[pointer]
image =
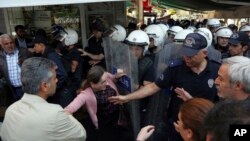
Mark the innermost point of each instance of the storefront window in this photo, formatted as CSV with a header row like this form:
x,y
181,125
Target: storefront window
x,y
43,17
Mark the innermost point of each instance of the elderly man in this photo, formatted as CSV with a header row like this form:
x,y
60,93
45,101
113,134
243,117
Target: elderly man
x,y
196,75
11,59
32,117
233,81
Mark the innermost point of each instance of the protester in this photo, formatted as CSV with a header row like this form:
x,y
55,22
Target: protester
x,y
21,39
101,123
32,117
11,59
190,122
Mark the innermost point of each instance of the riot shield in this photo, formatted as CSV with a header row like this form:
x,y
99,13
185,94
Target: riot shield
x,y
158,104
109,51
119,57
169,52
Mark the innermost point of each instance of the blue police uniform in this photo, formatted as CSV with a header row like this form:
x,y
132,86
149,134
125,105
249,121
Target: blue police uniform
x,y
198,85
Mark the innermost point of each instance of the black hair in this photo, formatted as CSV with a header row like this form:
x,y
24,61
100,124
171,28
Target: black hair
x,y
41,32
233,27
19,27
223,115
98,25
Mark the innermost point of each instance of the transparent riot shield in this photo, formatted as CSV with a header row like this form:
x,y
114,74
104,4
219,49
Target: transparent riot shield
x,y
119,58
158,104
162,59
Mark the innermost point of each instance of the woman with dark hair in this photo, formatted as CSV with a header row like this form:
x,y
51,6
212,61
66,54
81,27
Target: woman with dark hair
x,y
103,115
190,122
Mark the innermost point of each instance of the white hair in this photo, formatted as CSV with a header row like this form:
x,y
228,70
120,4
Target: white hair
x,y
3,36
239,70
236,60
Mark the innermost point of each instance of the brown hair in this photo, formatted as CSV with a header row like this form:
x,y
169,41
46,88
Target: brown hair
x,y
94,75
193,113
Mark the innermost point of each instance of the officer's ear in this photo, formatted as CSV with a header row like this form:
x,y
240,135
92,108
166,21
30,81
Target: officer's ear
x,y
204,51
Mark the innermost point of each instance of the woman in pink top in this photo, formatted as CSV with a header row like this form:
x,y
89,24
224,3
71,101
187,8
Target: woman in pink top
x,y
103,115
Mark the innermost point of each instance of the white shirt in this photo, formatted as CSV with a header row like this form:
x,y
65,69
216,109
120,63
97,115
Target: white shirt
x,y
34,119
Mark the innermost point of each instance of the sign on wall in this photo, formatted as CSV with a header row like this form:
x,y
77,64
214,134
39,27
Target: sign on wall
x,y
42,19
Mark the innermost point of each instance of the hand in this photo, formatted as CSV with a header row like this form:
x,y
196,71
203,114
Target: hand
x,y
182,94
120,99
119,73
80,50
145,133
93,62
67,112
83,53
31,50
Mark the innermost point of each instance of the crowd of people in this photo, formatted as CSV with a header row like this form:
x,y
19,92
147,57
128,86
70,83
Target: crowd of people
x,y
188,81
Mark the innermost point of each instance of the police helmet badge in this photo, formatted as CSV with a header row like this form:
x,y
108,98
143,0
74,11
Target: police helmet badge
x,y
189,41
162,77
235,35
210,82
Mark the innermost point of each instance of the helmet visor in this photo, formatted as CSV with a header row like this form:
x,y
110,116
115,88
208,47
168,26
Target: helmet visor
x,y
154,36
60,36
110,32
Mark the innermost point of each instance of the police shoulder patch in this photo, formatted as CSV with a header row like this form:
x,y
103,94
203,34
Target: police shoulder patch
x,y
175,62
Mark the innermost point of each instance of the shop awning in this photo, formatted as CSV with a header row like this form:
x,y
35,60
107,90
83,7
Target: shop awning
x,y
235,2
198,5
26,3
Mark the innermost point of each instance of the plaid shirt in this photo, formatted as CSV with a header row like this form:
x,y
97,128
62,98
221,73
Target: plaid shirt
x,y
14,69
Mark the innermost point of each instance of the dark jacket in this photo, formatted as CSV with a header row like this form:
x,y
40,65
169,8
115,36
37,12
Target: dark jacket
x,y
22,55
61,73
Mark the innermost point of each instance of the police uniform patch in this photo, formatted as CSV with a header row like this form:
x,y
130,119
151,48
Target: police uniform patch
x,y
161,77
210,83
